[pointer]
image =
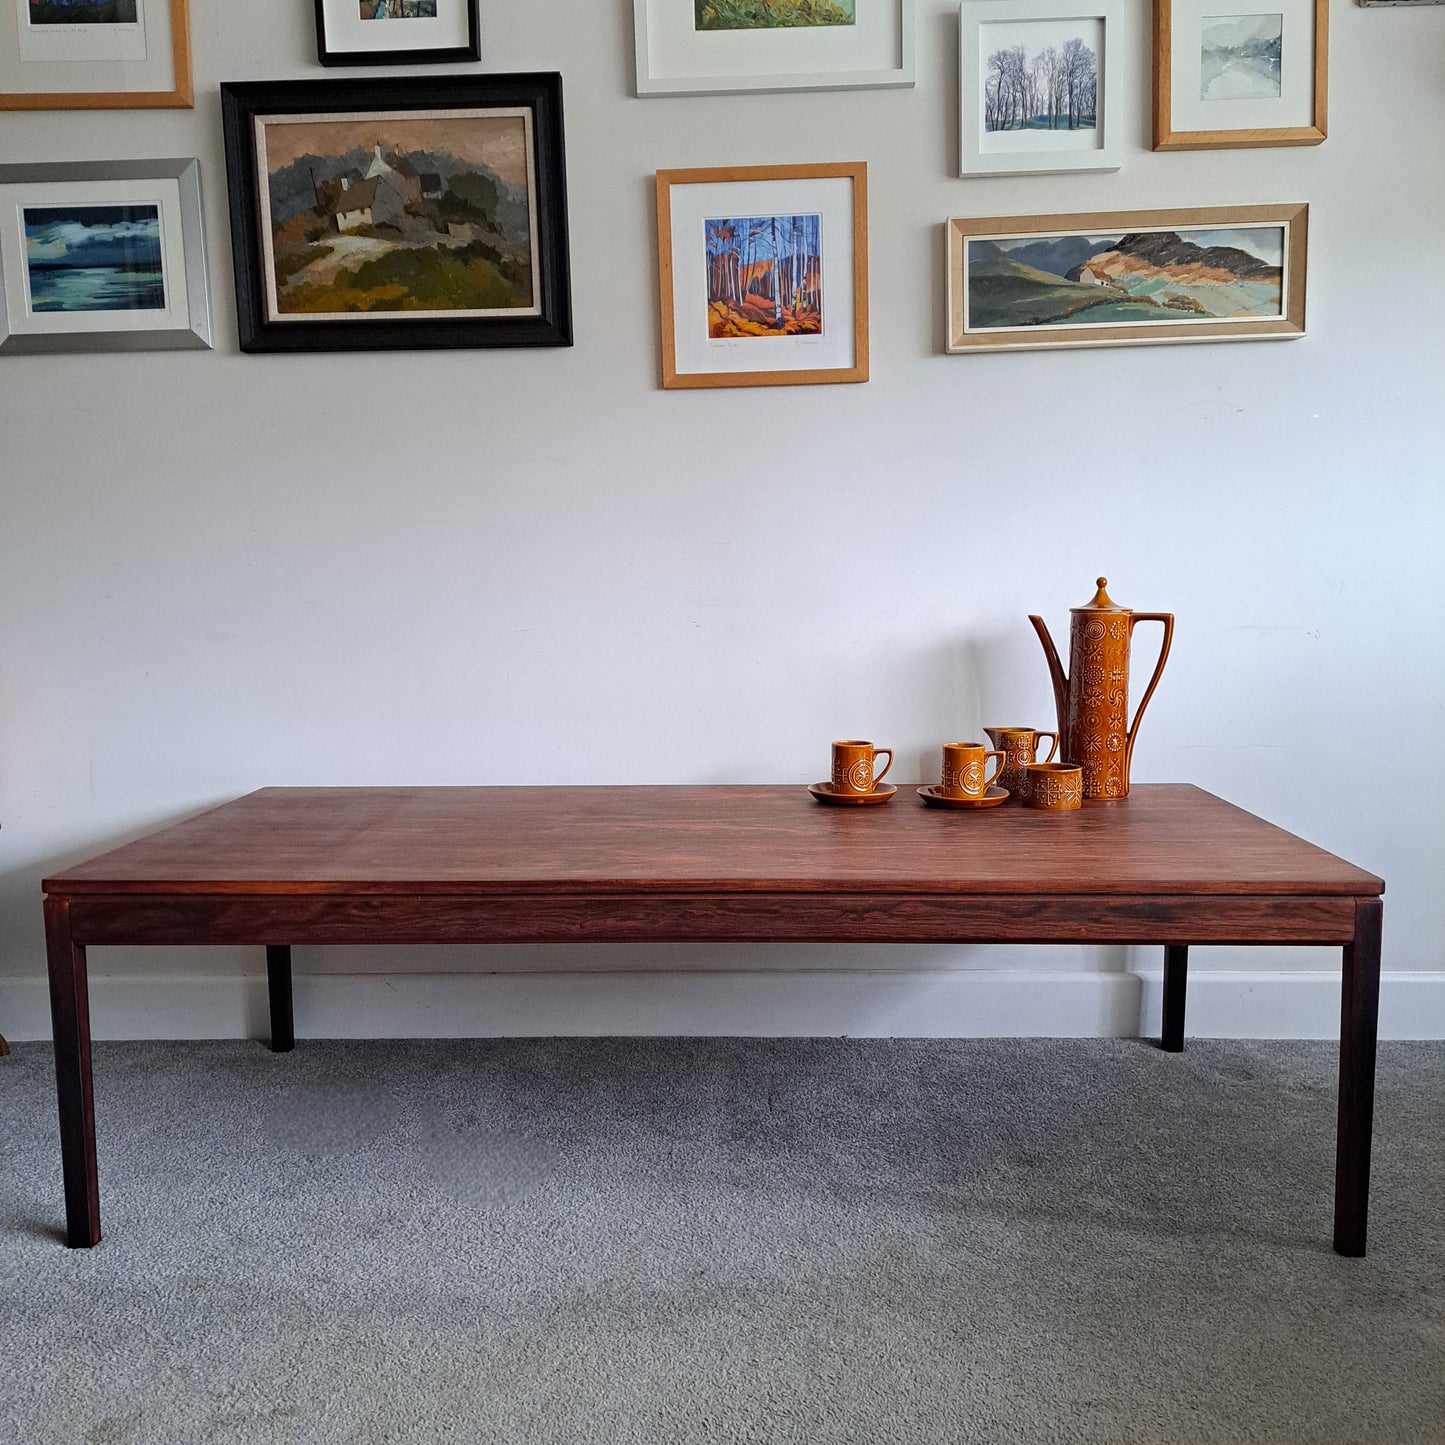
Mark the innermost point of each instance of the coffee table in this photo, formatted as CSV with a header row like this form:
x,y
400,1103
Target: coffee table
x,y
1170,864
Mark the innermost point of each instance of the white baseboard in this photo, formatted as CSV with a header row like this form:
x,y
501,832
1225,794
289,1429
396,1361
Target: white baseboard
x,y
969,1003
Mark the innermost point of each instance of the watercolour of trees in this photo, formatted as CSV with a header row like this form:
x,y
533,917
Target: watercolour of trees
x,y
1055,89
764,276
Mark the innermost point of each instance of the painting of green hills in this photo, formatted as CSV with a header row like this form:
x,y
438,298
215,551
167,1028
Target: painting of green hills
x,y
1143,276
770,14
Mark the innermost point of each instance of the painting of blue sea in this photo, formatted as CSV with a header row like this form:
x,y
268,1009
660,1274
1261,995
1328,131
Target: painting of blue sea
x,y
94,258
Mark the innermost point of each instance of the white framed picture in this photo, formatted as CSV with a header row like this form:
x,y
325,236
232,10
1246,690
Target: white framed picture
x,y
1037,86
715,47
396,32
102,256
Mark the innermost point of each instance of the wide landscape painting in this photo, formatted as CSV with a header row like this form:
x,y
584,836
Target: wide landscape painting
x,y
94,258
770,14
399,215
764,276
1071,279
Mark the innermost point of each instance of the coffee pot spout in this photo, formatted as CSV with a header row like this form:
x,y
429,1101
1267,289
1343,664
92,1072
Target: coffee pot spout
x,y
1056,674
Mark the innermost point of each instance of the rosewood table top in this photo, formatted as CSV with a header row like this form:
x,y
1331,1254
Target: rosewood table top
x,y
1163,839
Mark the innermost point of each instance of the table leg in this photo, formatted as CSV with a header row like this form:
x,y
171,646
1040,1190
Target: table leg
x,y
1176,975
1359,1028
278,984
70,1025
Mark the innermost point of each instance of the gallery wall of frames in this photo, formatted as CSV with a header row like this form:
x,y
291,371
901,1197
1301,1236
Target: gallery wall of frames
x,y
428,210
642,391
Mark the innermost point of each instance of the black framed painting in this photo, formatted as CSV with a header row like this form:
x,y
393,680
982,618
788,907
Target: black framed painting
x,y
396,32
381,214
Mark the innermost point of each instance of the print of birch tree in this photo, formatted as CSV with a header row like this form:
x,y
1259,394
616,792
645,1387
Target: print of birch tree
x,y
764,276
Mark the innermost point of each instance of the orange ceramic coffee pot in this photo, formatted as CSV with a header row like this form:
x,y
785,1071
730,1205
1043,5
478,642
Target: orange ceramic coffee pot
x,y
1093,700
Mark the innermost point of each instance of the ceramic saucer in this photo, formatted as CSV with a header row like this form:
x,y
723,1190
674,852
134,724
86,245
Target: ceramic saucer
x,y
826,793
990,799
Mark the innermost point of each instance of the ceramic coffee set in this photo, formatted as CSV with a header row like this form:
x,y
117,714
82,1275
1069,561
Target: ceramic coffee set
x,y
1095,735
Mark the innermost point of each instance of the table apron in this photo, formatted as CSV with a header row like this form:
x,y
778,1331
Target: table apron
x,y
649,916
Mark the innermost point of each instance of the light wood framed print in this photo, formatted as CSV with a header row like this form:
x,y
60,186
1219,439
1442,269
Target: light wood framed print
x,y
1038,88
1230,76
94,54
716,47
1122,278
763,275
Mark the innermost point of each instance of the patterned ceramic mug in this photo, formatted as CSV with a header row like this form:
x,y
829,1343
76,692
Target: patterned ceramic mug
x,y
1053,786
964,766
1022,747
854,763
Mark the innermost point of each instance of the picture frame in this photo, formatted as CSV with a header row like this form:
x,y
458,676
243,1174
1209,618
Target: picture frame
x,y
1240,79
386,213
722,47
124,54
1038,92
103,256
396,32
1122,278
763,274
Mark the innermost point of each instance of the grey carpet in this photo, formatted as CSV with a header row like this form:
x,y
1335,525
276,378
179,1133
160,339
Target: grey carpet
x,y
987,1241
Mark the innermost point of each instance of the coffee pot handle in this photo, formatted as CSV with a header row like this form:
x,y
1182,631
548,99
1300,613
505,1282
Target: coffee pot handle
x,y
1167,619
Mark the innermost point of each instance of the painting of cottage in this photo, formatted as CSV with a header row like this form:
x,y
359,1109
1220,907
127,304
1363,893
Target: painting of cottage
x,y
392,215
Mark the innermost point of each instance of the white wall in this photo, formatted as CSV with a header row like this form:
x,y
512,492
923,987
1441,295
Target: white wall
x,y
221,571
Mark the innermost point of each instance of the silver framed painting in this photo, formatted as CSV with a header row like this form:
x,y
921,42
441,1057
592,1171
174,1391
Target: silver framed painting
x,y
1037,87
103,256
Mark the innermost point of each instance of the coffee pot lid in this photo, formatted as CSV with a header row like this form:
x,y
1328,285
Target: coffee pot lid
x,y
1101,602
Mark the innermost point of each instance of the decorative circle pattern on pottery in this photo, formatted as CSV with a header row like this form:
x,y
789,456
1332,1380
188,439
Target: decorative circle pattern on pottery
x,y
1095,630
971,778
860,775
